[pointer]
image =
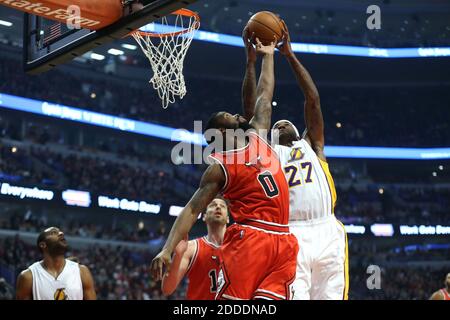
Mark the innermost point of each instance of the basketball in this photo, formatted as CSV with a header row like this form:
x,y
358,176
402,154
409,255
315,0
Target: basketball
x,y
266,25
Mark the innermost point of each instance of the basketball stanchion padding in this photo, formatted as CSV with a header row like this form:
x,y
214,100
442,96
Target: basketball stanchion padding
x,y
166,51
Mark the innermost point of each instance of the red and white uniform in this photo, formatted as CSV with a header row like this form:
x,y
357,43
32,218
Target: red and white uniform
x,y
202,271
445,294
258,255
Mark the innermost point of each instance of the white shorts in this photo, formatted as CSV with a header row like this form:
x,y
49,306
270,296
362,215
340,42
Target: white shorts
x,y
322,261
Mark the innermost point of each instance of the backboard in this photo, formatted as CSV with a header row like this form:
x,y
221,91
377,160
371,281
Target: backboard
x,y
49,43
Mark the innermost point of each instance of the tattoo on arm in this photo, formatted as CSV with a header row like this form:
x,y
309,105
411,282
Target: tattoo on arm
x,y
249,91
266,85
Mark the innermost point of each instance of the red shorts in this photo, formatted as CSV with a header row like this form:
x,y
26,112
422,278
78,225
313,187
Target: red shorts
x,y
257,264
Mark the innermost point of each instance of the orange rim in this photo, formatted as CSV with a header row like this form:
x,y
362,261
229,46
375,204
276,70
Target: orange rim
x,y
181,12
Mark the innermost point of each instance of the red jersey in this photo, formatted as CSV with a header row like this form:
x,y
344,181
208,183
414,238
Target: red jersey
x,y
445,293
255,183
202,271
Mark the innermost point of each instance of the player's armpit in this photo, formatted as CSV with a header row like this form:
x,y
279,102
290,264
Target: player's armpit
x,y
88,283
24,286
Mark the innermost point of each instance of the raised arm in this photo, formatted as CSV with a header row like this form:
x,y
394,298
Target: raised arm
x,y
181,259
313,112
211,183
266,85
249,83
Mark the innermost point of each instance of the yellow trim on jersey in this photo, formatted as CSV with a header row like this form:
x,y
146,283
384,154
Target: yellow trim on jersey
x,y
346,272
330,182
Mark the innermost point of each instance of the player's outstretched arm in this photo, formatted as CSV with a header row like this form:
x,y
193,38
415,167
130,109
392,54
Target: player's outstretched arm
x,y
313,112
249,83
24,286
266,85
88,283
211,183
181,259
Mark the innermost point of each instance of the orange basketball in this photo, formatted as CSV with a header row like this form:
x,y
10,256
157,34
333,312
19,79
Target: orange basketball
x,y
266,25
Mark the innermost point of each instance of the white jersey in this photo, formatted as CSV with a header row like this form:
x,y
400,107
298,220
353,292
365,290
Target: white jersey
x,y
67,286
312,194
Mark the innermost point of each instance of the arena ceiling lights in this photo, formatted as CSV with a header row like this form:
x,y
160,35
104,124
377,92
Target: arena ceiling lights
x,y
167,133
5,23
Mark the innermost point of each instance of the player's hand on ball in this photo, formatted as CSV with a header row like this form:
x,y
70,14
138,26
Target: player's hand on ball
x,y
284,46
249,39
269,49
163,259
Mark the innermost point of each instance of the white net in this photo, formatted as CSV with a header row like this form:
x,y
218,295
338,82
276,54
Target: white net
x,y
166,53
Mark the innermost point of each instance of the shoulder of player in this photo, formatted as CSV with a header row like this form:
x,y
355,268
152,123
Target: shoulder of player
x,y
318,149
192,247
215,176
85,273
438,295
213,171
192,253
25,275
191,250
280,147
24,285
83,268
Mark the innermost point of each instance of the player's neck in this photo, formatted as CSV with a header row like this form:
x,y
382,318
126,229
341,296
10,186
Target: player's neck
x,y
287,142
215,234
54,265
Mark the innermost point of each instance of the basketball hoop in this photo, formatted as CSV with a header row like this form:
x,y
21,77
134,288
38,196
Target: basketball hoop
x,y
166,51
